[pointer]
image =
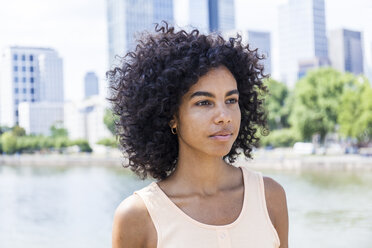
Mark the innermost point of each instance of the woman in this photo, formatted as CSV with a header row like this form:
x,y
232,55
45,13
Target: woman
x,y
189,104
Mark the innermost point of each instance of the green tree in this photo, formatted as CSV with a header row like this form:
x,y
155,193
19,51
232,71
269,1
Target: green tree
x,y
45,142
82,144
58,131
109,119
18,131
355,111
4,129
280,138
317,97
61,142
110,142
8,143
365,120
277,104
28,143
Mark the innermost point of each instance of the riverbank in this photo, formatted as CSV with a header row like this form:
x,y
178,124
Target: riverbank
x,y
286,159
273,160
340,162
109,160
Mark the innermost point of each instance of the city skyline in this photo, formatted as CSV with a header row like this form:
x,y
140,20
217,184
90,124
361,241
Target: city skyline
x,y
28,75
78,30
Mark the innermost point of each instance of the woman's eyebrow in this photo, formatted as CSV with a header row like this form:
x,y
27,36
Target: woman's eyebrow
x,y
201,93
232,92
208,94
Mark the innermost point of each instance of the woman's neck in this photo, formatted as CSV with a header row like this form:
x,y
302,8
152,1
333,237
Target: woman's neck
x,y
200,173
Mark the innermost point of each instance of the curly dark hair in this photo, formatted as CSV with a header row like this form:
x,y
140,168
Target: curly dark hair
x,y
146,92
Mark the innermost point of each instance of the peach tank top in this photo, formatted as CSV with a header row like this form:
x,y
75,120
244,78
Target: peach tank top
x,y
175,229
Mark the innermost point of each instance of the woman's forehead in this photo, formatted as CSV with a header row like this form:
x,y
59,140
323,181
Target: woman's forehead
x,y
216,79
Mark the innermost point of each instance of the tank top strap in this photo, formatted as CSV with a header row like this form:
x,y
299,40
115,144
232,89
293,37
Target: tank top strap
x,y
256,202
154,206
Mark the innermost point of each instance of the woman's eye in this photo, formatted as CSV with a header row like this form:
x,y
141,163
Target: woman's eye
x,y
232,101
203,103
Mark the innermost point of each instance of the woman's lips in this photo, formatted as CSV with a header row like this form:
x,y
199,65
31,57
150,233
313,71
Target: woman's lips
x,y
221,137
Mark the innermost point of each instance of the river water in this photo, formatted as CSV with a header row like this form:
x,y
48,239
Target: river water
x,y
73,206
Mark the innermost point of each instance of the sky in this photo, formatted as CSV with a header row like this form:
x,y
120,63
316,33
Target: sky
x,y
77,30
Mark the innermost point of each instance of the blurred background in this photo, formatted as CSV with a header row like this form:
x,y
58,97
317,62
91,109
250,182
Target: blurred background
x,y
60,168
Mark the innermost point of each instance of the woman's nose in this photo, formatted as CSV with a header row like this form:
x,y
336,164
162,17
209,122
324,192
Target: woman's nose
x,y
222,115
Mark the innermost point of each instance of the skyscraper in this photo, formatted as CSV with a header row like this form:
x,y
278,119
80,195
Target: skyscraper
x,y
38,117
84,119
345,50
90,84
221,15
205,15
127,18
192,13
256,39
262,41
29,74
302,38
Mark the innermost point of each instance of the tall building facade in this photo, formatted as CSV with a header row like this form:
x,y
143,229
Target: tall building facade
x,y
90,84
38,117
256,39
128,18
84,119
345,50
192,14
205,15
221,15
302,38
261,41
30,75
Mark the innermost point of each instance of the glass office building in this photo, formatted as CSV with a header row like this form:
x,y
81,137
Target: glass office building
x,y
91,87
262,41
128,18
345,50
29,74
302,38
221,15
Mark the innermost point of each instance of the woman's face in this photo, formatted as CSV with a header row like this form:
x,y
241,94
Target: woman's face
x,y
208,119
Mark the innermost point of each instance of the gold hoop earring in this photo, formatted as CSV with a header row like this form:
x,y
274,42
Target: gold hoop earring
x,y
174,130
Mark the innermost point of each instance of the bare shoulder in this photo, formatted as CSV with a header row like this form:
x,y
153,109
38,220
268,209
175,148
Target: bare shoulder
x,y
132,224
276,203
274,189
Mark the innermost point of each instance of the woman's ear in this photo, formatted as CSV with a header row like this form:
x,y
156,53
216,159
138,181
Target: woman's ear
x,y
173,123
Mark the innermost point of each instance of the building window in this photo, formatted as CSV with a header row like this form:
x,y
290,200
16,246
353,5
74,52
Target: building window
x,y
32,90
16,79
15,68
31,69
23,57
15,57
31,58
16,102
24,79
32,99
16,90
24,91
16,112
31,79
23,68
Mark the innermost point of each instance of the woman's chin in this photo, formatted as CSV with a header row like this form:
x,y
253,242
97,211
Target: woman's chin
x,y
220,152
